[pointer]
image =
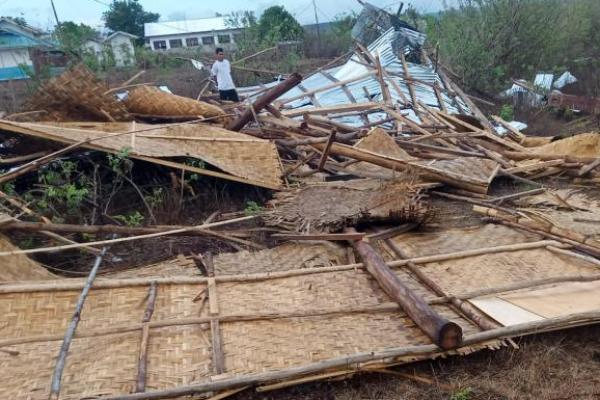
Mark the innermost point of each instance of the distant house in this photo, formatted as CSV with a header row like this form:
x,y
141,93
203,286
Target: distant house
x,y
205,34
18,44
120,43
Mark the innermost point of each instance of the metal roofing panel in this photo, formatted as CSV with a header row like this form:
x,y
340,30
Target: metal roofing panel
x,y
544,81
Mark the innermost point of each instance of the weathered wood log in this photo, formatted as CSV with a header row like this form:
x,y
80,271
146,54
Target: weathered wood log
x,y
446,334
64,348
267,98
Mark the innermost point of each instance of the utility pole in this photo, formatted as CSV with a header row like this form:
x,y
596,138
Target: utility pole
x,y
55,14
317,22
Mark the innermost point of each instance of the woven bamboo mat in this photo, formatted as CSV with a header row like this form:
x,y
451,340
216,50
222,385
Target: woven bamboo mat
x,y
19,267
266,325
77,95
236,153
281,258
151,100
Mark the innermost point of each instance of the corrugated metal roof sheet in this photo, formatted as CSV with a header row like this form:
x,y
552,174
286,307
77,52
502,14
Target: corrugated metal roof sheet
x,y
544,81
565,79
423,78
187,26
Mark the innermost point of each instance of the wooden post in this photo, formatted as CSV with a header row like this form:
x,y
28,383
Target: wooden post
x,y
267,98
446,334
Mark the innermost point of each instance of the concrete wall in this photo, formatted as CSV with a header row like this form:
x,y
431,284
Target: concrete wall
x,y
199,35
10,60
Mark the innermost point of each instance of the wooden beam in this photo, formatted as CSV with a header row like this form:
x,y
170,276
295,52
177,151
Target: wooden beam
x,y
444,333
325,154
322,236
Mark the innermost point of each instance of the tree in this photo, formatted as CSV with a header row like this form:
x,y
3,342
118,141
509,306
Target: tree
x,y
128,16
72,36
276,24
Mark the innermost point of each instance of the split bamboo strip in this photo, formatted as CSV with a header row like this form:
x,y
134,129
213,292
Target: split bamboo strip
x,y
143,354
70,333
77,284
360,358
128,239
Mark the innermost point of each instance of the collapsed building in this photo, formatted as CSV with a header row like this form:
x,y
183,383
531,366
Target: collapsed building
x,y
392,242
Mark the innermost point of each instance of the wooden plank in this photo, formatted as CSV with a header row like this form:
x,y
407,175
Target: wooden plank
x,y
143,352
217,347
212,296
504,312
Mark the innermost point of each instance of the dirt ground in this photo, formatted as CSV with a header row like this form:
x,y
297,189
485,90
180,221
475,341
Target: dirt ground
x,y
552,366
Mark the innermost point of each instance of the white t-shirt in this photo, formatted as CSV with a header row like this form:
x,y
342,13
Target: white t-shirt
x,y
222,70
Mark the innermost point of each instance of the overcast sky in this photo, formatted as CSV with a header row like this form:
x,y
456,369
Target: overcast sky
x,y
39,12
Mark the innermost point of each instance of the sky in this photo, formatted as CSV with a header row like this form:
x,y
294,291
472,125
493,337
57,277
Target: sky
x,y
39,12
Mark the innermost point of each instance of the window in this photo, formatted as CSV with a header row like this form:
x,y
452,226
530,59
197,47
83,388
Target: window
x,y
224,38
191,42
208,40
160,45
175,43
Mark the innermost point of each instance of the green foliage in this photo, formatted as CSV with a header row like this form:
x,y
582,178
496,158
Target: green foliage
x,y
276,24
120,162
8,188
488,42
72,36
134,218
128,16
156,199
252,208
192,177
507,112
64,188
463,394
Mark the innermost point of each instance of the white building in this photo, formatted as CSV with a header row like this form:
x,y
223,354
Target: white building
x,y
121,45
205,34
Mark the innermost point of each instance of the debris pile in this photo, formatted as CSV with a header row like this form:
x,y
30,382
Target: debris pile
x,y
402,226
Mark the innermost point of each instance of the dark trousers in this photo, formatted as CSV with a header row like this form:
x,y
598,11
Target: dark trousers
x,y
230,95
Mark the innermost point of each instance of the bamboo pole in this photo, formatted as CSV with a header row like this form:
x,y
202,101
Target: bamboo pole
x,y
444,333
70,333
77,284
325,154
126,239
360,358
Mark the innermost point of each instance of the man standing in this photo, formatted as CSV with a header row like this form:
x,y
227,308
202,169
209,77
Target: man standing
x,y
221,70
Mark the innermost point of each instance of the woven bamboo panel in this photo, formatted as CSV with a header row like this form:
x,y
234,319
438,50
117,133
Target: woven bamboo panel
x,y
236,153
478,171
151,100
19,267
583,145
248,347
179,266
285,257
77,95
378,141
178,355
493,270
418,244
331,207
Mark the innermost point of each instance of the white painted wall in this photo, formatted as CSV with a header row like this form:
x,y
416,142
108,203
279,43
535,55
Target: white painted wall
x,y
199,35
123,50
14,57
